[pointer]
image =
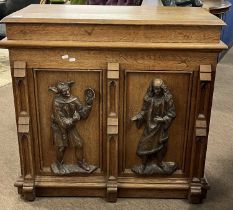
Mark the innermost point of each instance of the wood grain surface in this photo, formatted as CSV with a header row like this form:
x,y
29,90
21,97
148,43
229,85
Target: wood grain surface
x,y
116,51
132,15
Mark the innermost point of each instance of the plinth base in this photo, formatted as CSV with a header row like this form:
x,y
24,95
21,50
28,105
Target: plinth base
x,y
71,169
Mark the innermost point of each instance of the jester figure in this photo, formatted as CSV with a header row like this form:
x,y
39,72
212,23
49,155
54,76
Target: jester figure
x,y
67,110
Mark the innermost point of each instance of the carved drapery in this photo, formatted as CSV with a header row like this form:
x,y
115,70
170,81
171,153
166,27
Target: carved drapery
x,y
156,115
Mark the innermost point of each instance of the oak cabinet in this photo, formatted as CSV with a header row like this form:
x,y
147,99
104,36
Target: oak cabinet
x,y
114,102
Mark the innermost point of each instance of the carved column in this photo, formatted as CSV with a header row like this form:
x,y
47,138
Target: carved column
x,y
206,86
26,185
112,130
205,94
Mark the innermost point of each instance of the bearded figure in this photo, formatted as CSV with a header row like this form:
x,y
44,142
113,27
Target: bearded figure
x,y
156,115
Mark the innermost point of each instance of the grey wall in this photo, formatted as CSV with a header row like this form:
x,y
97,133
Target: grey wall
x,y
12,6
227,31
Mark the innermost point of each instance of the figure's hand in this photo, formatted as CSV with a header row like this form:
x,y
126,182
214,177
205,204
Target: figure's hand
x,y
69,122
159,119
89,101
64,137
76,116
90,95
136,117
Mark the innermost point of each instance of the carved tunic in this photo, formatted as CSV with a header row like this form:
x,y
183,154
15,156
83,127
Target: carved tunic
x,y
65,113
155,134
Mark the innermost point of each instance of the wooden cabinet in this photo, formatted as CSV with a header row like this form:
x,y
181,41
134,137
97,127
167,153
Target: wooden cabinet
x,y
113,101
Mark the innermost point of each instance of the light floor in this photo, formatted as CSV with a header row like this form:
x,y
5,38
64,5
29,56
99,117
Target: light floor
x,y
5,77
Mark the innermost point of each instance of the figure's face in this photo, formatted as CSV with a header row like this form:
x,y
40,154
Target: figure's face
x,y
65,92
157,90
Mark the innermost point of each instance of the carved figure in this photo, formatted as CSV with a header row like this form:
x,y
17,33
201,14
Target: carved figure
x,y
157,113
67,110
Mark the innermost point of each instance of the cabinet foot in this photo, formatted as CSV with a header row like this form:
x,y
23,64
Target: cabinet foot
x,y
111,190
29,196
26,189
205,187
198,190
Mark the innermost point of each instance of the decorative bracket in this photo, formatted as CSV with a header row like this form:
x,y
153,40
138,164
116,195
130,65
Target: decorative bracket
x,y
205,72
113,70
19,69
201,126
112,126
23,124
20,88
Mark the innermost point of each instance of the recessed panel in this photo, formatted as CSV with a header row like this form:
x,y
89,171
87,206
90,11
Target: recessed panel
x,y
135,87
89,129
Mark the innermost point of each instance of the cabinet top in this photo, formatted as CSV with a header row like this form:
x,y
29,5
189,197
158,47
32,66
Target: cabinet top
x,y
124,15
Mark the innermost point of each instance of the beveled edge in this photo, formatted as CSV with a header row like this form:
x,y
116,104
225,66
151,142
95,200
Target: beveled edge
x,y
117,45
17,17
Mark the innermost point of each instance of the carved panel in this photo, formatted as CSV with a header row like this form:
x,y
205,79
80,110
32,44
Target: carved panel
x,y
180,85
67,111
201,126
156,115
89,129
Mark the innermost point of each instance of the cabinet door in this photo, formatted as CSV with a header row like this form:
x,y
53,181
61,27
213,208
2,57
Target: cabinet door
x,y
88,130
176,132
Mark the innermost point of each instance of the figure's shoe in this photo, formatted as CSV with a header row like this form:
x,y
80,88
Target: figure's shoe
x,y
139,169
168,167
162,165
84,165
61,168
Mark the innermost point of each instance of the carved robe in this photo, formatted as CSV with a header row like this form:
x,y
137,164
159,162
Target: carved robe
x,y
63,121
155,135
